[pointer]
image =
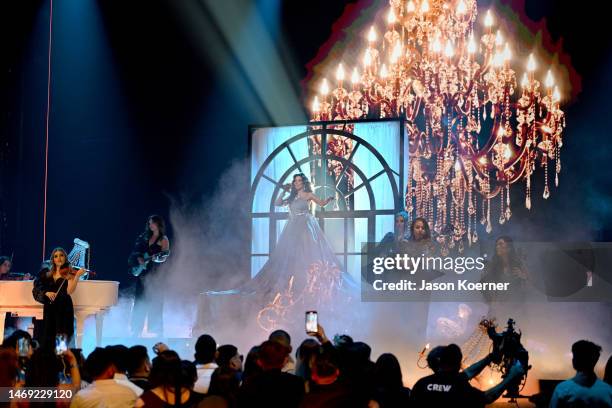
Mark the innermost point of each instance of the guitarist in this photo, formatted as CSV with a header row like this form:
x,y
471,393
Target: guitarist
x,y
151,242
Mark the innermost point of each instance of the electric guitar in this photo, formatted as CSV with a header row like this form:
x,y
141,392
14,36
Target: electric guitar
x,y
157,258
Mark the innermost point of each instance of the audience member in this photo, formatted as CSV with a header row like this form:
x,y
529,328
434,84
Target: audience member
x,y
171,382
326,390
46,369
205,350
251,367
283,338
104,391
608,372
389,390
272,387
225,383
139,366
584,389
120,356
228,357
303,355
9,366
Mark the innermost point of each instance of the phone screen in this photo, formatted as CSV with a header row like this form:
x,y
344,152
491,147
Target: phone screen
x,y
23,347
60,344
311,321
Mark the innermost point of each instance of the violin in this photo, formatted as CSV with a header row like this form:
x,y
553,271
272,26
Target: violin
x,y
71,271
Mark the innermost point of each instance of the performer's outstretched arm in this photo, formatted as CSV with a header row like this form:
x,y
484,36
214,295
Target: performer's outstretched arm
x,y
322,203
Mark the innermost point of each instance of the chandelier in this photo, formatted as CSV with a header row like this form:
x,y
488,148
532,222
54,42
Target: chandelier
x,y
472,132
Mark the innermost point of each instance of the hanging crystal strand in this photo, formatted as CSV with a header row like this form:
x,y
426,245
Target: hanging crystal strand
x,y
489,228
453,209
419,197
430,202
483,220
471,205
475,228
469,231
557,165
508,212
502,213
528,187
439,198
477,110
462,210
546,193
426,202
408,204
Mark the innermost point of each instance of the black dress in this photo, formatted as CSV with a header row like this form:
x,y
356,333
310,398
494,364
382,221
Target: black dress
x,y
58,316
153,309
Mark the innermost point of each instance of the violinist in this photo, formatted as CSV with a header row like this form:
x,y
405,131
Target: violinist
x,y
56,281
5,270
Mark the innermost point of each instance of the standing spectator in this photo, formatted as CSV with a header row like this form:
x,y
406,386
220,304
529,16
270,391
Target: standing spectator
x,y
389,390
205,350
271,388
45,368
225,383
326,390
584,389
139,366
172,383
9,365
228,357
608,372
104,391
251,367
303,355
120,356
283,338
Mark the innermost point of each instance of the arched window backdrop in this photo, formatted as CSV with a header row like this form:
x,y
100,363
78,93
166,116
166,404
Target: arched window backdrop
x,y
362,165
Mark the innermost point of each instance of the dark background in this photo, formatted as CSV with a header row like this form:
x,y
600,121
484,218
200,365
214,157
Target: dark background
x,y
142,113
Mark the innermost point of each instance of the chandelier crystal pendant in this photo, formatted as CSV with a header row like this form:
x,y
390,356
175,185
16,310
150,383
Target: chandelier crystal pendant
x,y
472,131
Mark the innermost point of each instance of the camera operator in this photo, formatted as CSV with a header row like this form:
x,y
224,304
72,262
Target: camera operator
x,y
447,386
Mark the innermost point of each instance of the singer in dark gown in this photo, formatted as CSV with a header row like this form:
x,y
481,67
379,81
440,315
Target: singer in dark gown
x,y
52,287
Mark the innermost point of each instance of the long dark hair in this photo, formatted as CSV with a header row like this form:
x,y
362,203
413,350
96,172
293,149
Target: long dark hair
x,y
167,371
52,264
514,261
161,225
425,224
387,372
294,192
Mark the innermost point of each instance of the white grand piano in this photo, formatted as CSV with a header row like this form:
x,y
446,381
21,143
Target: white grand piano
x,y
91,297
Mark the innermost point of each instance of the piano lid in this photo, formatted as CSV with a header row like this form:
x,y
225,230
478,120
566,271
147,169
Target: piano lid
x,y
90,293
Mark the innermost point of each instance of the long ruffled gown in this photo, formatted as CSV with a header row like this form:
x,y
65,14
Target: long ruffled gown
x,y
303,267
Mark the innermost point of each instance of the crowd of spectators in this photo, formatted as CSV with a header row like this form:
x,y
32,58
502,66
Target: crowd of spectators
x,y
318,373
